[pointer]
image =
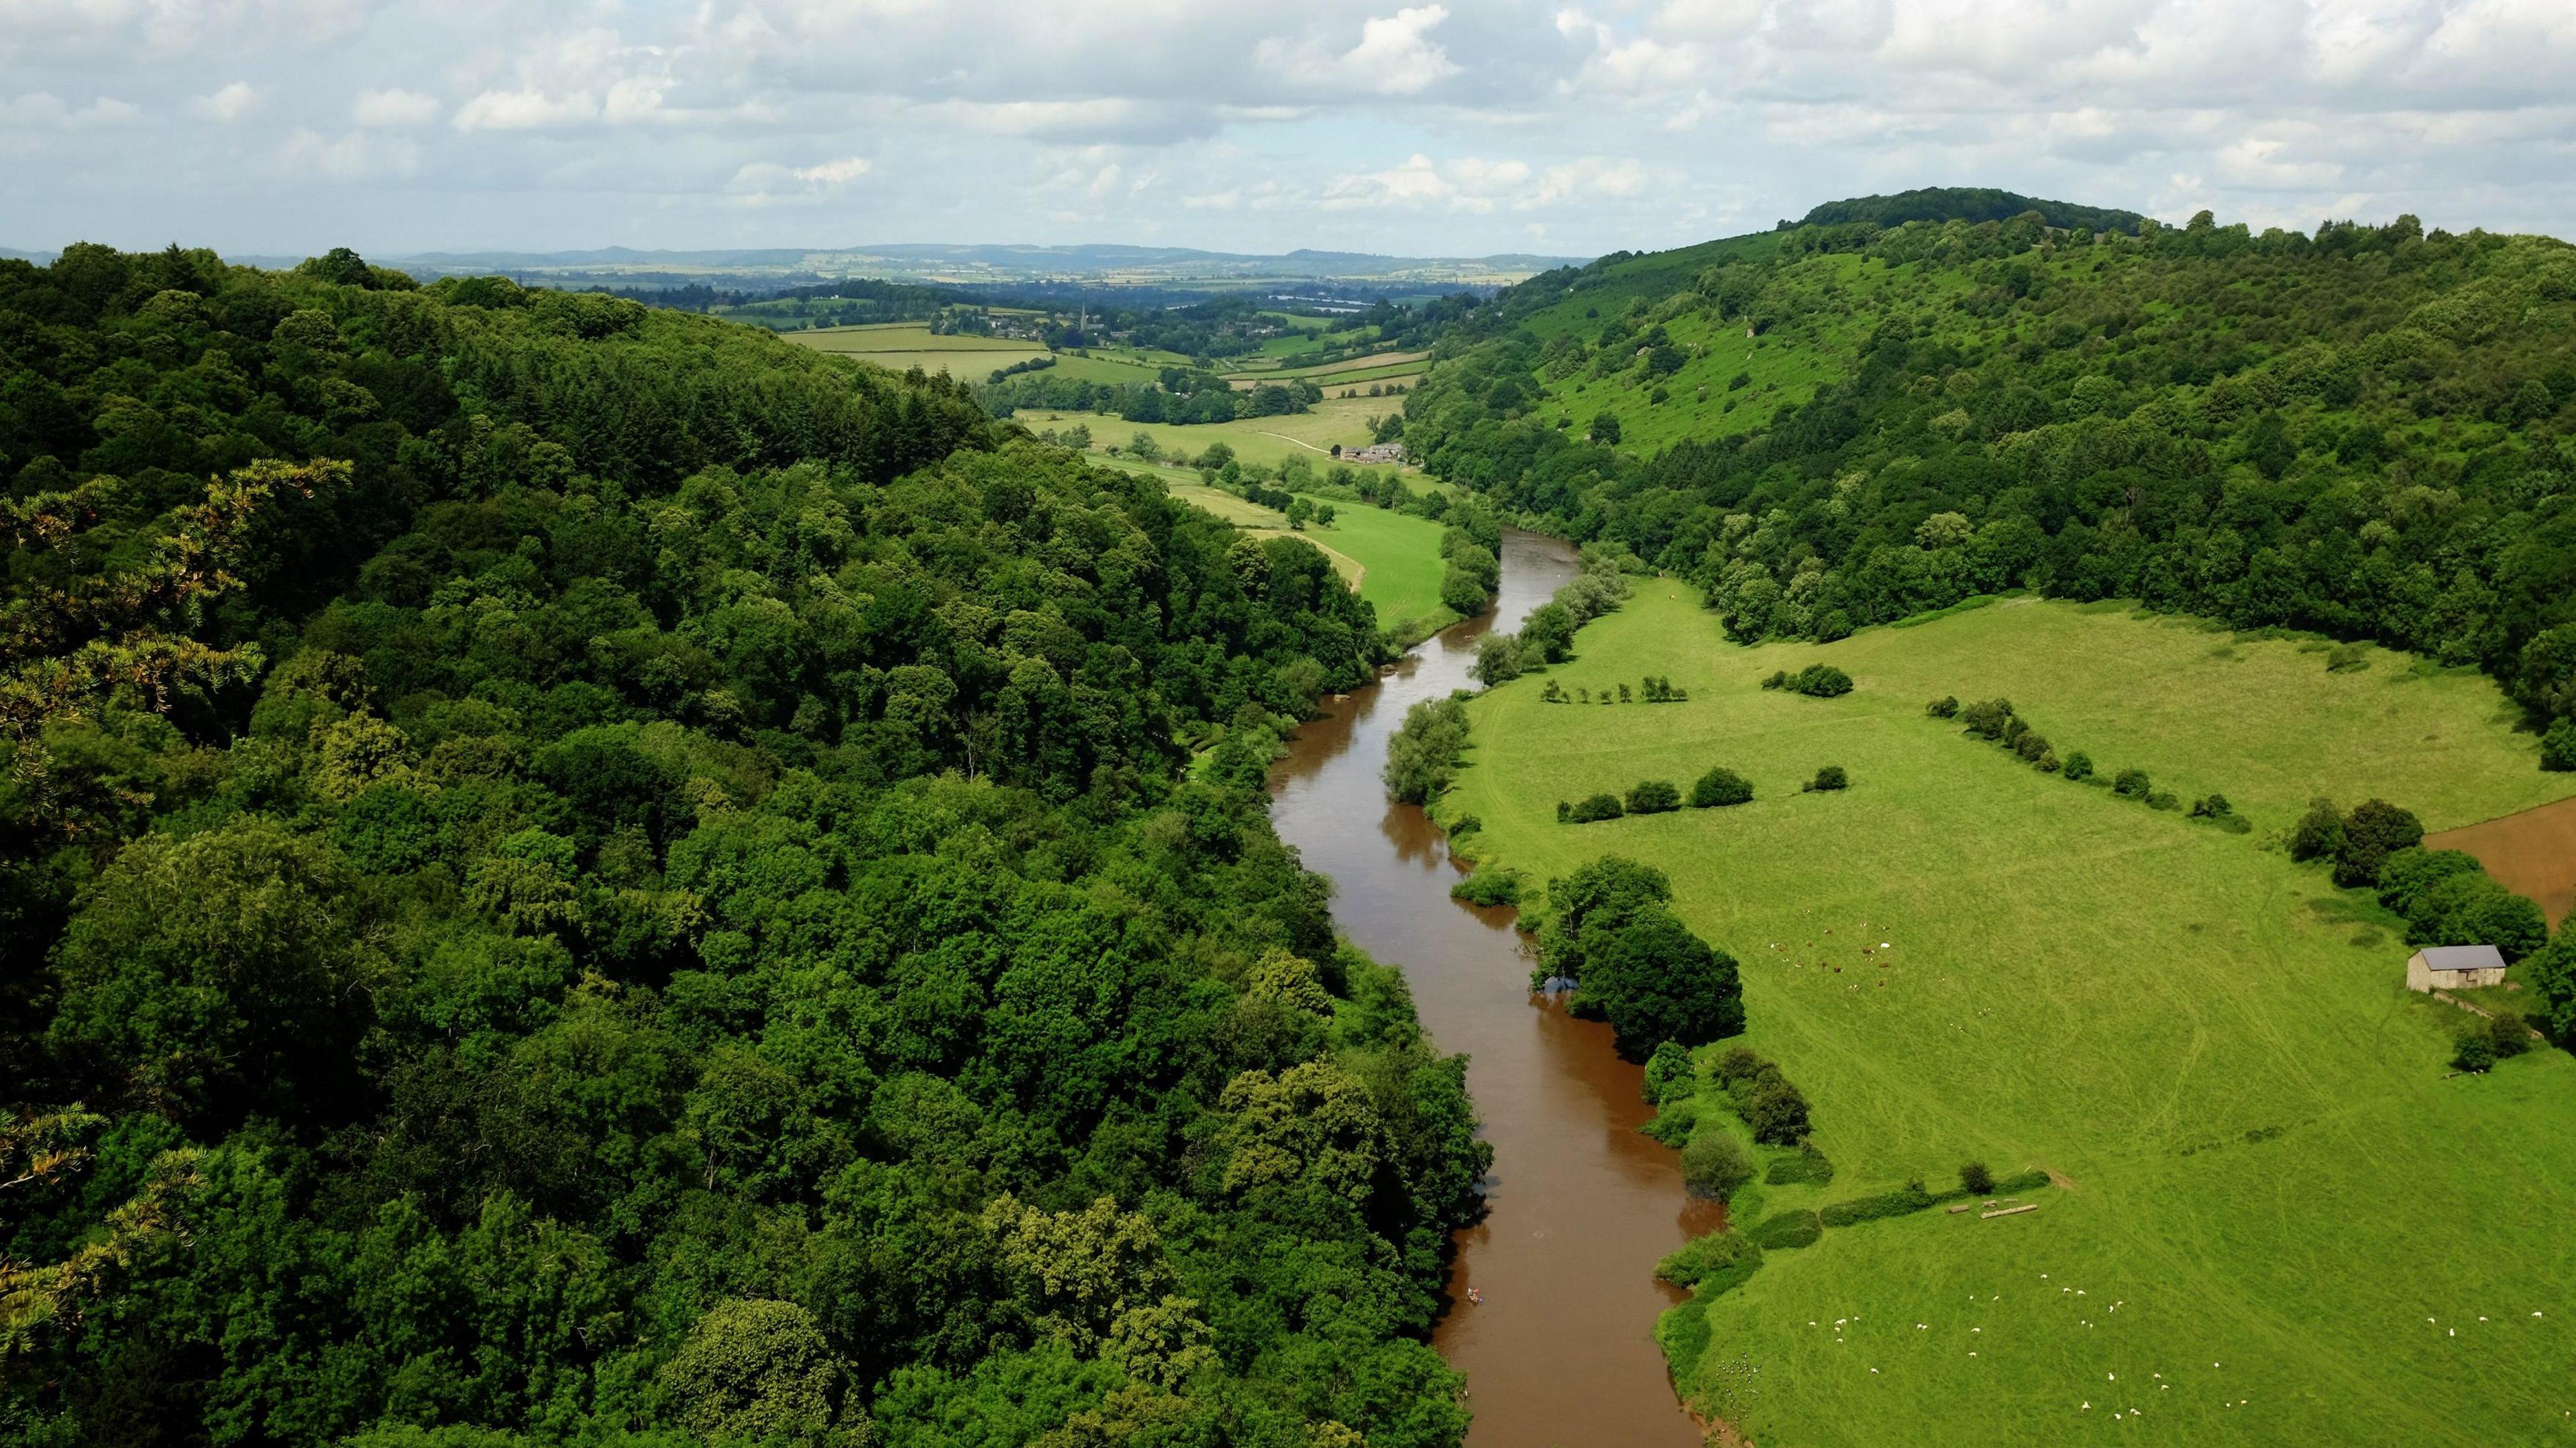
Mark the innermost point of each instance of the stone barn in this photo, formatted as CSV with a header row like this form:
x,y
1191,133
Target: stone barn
x,y
2454,967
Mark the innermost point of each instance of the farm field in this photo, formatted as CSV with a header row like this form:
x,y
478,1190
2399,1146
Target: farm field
x,y
1266,440
902,345
2277,1219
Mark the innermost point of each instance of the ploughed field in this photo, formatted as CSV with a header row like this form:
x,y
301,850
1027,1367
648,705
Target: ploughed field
x,y
2277,1218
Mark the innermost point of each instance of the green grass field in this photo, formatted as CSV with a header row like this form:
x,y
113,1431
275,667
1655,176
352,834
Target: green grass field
x,y
1267,440
2278,1221
901,345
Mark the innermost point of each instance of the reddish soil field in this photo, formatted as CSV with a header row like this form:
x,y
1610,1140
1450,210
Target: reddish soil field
x,y
2532,853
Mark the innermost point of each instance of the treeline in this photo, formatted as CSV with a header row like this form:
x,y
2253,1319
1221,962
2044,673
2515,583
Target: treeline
x,y
612,880
1180,397
2363,432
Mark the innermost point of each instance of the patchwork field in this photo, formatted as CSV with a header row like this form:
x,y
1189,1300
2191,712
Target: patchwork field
x,y
2278,1219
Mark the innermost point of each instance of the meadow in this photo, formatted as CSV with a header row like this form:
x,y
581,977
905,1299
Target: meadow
x,y
1267,440
2277,1217
898,346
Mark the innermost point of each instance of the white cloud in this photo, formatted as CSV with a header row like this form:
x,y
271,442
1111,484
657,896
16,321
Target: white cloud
x,y
394,109
230,104
1395,56
525,110
354,156
766,183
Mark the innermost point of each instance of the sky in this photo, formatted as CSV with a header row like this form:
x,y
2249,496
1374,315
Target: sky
x,y
1459,128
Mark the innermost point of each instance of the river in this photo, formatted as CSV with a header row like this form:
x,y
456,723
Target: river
x,y
1561,1351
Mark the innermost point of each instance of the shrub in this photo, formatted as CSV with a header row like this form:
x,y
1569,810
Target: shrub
x,y
2558,746
1713,1166
1738,1066
1674,1122
1830,776
1465,825
1784,1231
2471,909
2410,872
1712,1264
2509,1033
1720,786
1489,887
1945,707
1775,1110
2346,658
2476,1051
2132,784
1805,1165
2319,833
2023,1181
2031,745
1779,679
2211,807
2373,831
1597,807
2079,765
1564,811
1668,1073
1654,796
1908,1198
1987,718
1820,681
2163,799
1975,1180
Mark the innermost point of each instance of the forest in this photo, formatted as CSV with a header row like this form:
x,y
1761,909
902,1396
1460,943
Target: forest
x,y
580,874
2364,432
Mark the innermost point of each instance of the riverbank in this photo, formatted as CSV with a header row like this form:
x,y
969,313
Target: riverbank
x,y
1560,1351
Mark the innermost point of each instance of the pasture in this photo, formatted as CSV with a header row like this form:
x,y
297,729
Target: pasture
x,y
898,346
2278,1219
1266,440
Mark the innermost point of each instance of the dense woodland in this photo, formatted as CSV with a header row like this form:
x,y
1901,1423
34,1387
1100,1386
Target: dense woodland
x,y
582,874
2368,432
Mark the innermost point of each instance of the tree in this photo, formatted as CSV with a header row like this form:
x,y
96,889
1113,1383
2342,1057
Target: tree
x,y
1713,1166
755,1371
1654,796
1655,981
1775,1110
2558,747
1720,786
1829,777
1591,809
1975,1180
2318,835
1604,429
2371,833
1422,757
1498,660
1669,1074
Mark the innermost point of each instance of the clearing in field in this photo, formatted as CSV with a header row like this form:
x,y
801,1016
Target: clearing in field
x,y
2278,1218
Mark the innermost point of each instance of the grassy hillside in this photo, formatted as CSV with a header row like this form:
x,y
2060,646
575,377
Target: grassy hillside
x,y
2369,431
2275,1207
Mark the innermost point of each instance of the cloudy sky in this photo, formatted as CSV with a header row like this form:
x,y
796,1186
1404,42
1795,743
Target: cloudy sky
x,y
1462,127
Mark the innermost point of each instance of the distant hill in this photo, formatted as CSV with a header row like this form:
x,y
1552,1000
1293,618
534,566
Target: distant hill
x,y
1965,203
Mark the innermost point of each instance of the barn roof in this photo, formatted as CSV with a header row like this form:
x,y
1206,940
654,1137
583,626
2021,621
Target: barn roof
x,y
2462,957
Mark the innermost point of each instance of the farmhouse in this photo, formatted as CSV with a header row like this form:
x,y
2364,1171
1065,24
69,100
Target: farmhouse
x,y
1383,452
2454,967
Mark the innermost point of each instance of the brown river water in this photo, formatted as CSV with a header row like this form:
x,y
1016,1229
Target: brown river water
x,y
1561,1351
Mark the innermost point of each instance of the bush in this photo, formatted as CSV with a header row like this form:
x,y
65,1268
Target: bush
x,y
2164,799
2472,909
2319,833
2079,765
2132,784
1908,1198
1720,786
1820,681
2373,831
1738,1066
1945,707
1785,1231
2558,747
1975,1180
2211,807
1712,1264
1465,825
2031,745
2509,1033
1668,1073
1829,777
2476,1051
1805,1165
1674,1122
1597,807
1987,718
1775,1110
1654,796
1713,1166
1489,887
1423,756
1779,679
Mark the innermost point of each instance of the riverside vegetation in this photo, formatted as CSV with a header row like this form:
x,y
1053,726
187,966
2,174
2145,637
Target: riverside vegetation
x,y
614,880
